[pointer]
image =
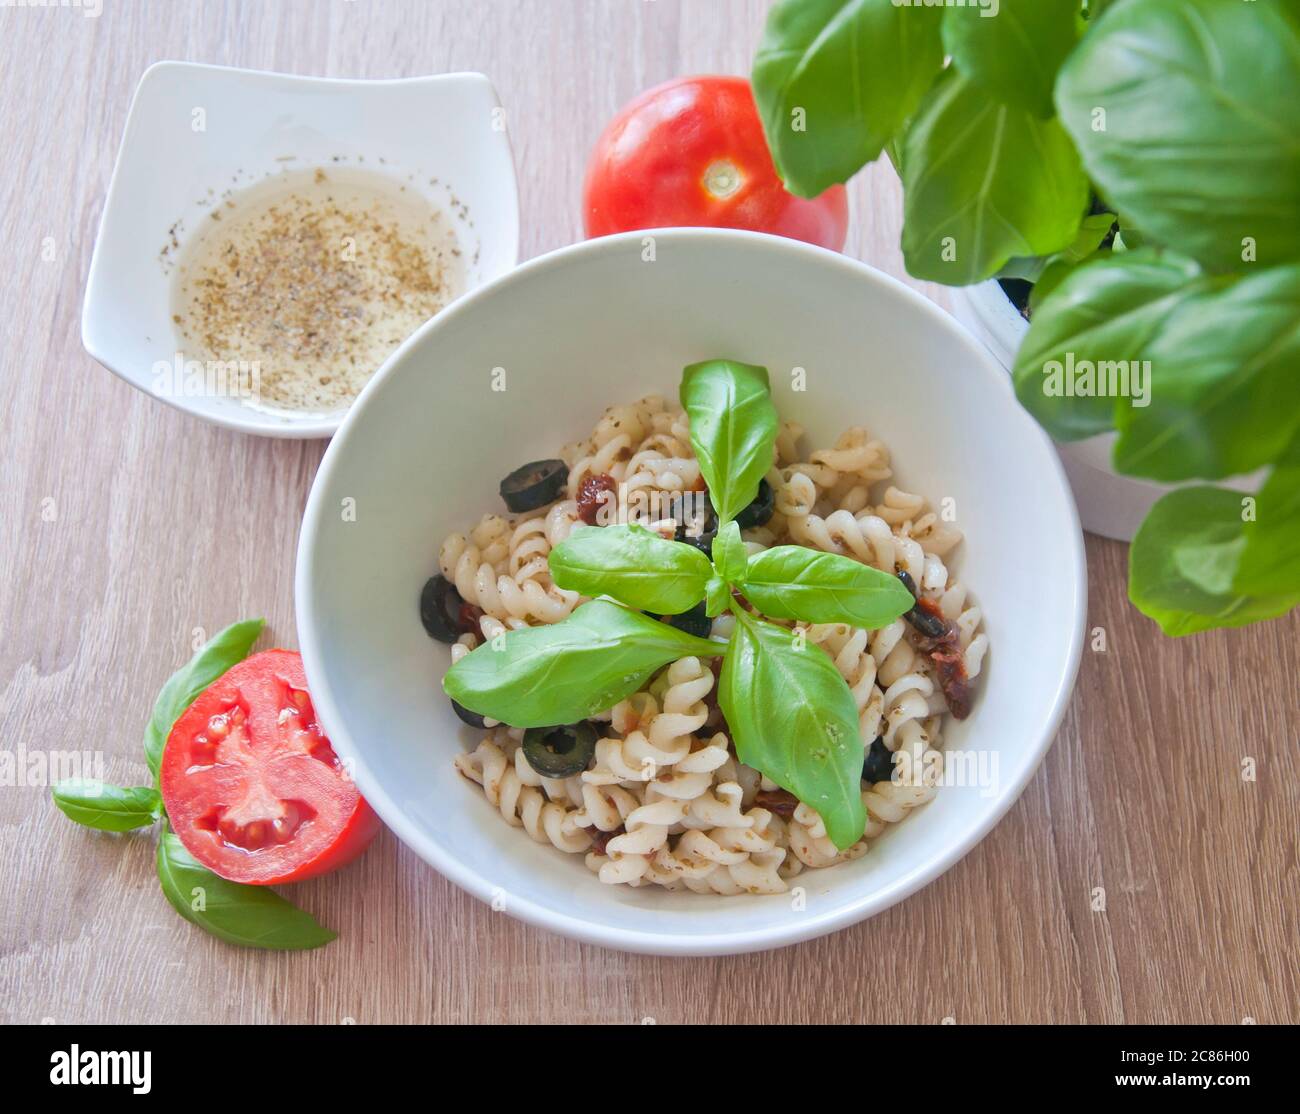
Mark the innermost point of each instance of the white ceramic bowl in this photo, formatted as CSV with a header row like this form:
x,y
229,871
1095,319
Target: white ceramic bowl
x,y
424,447
195,131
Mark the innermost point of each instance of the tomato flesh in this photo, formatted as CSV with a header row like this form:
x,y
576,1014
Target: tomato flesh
x,y
692,152
252,786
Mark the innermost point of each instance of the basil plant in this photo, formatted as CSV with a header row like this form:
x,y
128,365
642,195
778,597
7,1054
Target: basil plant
x,y
1138,161
790,713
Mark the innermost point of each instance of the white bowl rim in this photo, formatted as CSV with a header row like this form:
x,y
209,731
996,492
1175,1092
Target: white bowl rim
x,y
305,428
649,942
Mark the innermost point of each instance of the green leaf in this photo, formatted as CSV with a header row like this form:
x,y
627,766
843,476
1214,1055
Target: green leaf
x,y
984,183
791,582
1104,311
729,555
1185,559
835,81
250,916
183,687
1094,229
1014,52
633,565
110,808
717,597
733,430
1270,558
1200,142
567,671
1225,382
793,717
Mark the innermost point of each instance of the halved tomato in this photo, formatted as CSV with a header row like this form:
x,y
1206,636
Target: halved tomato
x,y
253,788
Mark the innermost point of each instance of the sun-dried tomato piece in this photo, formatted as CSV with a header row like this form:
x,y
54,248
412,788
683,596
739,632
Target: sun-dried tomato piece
x,y
780,801
468,616
594,493
600,840
945,652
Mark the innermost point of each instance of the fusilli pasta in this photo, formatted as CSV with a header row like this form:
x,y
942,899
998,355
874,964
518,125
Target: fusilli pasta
x,y
665,801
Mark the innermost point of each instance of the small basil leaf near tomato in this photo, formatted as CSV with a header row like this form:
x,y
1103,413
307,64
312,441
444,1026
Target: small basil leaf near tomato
x,y
108,808
793,717
791,582
253,789
733,429
633,565
249,916
692,153
217,655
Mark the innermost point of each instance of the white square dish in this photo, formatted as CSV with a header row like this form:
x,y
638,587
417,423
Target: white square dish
x,y
195,131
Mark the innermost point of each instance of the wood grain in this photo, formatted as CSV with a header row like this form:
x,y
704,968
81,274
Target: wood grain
x,y
162,525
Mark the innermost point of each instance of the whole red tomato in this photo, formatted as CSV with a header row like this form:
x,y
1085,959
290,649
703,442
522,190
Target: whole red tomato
x,y
692,152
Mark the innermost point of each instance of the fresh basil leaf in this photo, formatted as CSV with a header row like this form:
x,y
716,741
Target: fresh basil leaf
x,y
1200,138
717,597
1016,55
1184,561
729,555
1224,383
984,183
835,80
567,671
250,916
633,565
1107,310
791,582
223,650
1094,229
793,718
733,430
1270,558
109,808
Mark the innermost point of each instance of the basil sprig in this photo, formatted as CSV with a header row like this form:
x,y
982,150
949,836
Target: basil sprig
x,y
733,429
1182,115
251,916
109,808
213,658
631,564
791,713
564,672
794,718
792,582
729,556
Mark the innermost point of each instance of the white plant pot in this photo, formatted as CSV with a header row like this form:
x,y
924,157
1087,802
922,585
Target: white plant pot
x,y
1109,504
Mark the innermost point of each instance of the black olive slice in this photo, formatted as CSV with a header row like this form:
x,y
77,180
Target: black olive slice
x,y
534,485
472,718
759,511
702,528
696,621
560,751
440,606
879,762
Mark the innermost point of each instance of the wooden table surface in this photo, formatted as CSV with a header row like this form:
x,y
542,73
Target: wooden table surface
x,y
127,525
